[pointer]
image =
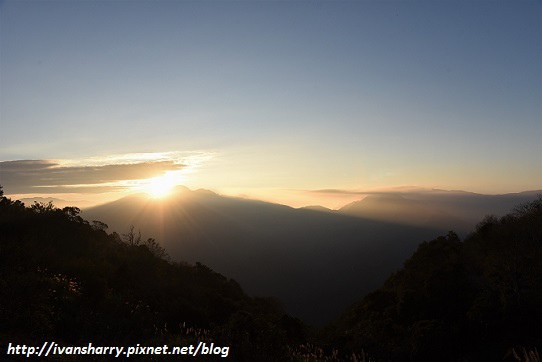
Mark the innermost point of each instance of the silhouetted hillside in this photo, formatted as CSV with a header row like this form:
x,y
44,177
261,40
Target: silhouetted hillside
x,y
66,280
468,300
315,262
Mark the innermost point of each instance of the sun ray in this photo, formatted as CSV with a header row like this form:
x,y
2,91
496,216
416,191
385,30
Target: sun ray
x,y
161,186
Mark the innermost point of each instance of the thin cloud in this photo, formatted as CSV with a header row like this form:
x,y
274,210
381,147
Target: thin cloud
x,y
46,176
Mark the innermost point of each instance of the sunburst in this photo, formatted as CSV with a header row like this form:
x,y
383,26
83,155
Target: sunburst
x,y
161,186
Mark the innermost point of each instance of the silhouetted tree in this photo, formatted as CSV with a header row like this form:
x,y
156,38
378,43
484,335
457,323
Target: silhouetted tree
x,y
130,238
99,225
42,208
155,248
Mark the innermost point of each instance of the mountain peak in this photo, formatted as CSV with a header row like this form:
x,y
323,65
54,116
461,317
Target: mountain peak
x,y
316,208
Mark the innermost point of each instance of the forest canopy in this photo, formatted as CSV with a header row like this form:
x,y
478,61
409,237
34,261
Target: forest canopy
x,y
477,299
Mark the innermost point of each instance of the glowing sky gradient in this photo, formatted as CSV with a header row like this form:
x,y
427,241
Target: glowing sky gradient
x,y
276,98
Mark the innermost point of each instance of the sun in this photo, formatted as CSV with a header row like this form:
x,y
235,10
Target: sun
x,y
161,186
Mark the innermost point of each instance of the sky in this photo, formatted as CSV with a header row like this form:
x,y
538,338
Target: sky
x,y
273,100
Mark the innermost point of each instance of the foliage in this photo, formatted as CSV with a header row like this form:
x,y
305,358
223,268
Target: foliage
x,y
472,300
66,280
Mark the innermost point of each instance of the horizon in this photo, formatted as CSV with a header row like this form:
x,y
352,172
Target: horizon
x,y
295,103
345,197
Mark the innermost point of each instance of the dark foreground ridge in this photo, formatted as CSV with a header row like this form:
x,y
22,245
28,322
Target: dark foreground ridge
x,y
476,300
67,280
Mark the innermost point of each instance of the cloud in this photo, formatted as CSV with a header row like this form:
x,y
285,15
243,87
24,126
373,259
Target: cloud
x,y
46,176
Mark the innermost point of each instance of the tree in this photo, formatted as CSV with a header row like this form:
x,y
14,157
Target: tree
x,y
99,226
42,208
155,248
130,238
72,213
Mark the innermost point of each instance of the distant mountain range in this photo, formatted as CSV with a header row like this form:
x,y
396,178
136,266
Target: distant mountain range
x,y
449,210
314,260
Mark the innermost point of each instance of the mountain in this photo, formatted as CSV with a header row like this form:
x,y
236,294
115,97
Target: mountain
x,y
316,208
398,208
70,282
449,210
315,262
473,299
476,299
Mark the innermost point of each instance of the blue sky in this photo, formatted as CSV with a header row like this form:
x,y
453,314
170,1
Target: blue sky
x,y
271,99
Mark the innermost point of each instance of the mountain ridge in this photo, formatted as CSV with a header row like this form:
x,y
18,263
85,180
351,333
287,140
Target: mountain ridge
x,y
273,249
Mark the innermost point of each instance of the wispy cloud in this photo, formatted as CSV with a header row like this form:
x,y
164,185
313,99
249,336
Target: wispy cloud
x,y
92,175
44,176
